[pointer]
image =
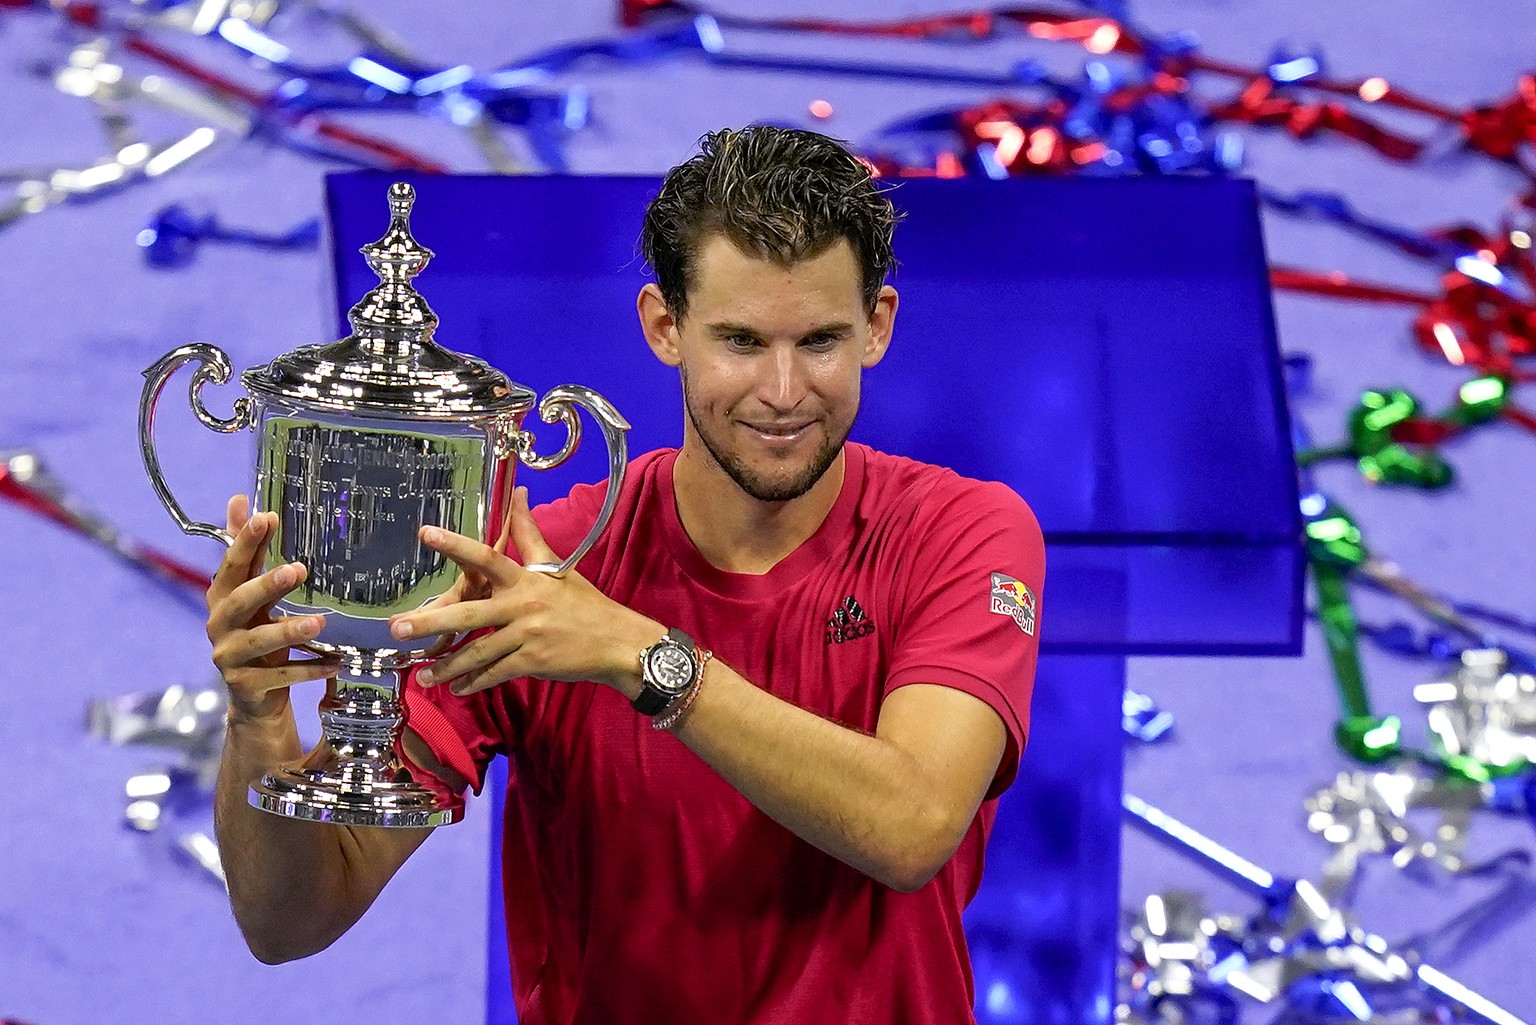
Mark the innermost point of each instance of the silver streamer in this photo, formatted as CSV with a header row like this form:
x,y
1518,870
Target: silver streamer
x,y
205,16
1302,961
1373,813
1482,719
89,75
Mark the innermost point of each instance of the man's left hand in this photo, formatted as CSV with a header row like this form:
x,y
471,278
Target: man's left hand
x,y
552,628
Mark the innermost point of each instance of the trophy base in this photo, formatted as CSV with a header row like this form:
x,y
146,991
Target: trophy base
x,y
354,792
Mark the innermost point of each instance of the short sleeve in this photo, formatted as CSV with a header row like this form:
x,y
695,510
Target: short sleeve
x,y
463,733
970,619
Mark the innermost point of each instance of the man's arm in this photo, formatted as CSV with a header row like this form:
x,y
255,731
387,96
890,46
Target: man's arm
x,y
295,886
894,805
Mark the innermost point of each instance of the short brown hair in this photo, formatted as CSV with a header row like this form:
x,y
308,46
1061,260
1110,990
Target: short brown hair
x,y
781,194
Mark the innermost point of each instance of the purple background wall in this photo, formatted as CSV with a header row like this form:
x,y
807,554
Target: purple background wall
x,y
97,925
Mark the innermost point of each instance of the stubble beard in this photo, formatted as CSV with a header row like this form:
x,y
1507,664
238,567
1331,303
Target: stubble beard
x,y
762,488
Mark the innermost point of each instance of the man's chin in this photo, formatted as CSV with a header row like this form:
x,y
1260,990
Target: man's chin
x,y
782,484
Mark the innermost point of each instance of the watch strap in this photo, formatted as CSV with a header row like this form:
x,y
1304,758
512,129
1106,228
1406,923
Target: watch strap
x,y
650,701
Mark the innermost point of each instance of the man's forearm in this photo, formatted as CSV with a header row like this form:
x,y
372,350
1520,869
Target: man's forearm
x,y
859,798
288,879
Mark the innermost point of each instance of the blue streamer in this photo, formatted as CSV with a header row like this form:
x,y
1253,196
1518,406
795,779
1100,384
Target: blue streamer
x,y
172,238
1334,208
1288,66
378,80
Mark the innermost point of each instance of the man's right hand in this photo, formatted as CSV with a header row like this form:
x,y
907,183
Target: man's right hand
x,y
250,647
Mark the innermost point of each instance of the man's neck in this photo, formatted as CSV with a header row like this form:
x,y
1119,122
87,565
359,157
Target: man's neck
x,y
736,532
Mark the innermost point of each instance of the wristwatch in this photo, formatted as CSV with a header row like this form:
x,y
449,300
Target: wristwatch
x,y
667,669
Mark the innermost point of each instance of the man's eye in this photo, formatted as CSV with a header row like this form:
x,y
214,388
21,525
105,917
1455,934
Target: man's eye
x,y
741,341
820,343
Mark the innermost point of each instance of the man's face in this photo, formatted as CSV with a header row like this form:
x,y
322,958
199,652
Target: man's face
x,y
771,359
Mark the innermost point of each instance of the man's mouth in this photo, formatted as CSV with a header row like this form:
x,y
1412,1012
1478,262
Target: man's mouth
x,y
779,431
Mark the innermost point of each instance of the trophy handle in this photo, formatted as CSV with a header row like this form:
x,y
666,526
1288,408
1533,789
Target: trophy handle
x,y
560,404
214,367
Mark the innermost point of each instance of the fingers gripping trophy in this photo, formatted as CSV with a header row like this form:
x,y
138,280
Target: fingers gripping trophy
x,y
359,444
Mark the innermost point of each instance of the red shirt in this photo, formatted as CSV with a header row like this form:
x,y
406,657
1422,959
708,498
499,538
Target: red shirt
x,y
640,886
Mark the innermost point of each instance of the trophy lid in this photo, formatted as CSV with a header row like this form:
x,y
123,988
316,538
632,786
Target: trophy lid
x,y
389,366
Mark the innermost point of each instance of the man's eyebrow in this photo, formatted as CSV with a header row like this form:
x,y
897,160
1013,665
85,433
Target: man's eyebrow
x,y
726,327
841,327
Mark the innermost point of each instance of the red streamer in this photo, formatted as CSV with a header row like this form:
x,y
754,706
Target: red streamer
x,y
1500,130
1470,324
1262,104
1340,286
1418,430
1475,325
41,503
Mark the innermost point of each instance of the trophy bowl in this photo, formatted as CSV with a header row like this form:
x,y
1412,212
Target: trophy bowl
x,y
359,444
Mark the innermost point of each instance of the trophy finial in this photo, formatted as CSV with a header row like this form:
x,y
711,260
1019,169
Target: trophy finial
x,y
395,305
401,196
398,257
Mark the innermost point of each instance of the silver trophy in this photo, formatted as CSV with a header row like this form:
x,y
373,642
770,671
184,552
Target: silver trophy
x,y
359,444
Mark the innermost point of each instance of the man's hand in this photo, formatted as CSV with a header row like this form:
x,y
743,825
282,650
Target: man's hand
x,y
250,648
552,628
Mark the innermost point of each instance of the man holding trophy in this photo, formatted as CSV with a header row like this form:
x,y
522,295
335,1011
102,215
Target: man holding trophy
x,y
755,744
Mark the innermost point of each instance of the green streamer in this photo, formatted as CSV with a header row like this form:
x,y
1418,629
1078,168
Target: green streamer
x,y
1384,415
1479,401
1334,549
1380,458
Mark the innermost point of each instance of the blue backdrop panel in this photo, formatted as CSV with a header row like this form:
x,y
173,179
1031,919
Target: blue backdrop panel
x,y
1104,347
1042,926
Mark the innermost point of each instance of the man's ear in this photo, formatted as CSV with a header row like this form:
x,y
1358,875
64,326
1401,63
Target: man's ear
x,y
658,324
881,323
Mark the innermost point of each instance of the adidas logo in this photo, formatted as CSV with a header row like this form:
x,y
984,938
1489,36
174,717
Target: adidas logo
x,y
849,622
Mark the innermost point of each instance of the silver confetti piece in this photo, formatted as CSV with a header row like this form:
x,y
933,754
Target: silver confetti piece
x,y
89,75
1301,952
1367,813
182,718
1483,712
171,799
132,163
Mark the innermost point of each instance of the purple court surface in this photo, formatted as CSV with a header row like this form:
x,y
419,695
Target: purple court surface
x,y
100,925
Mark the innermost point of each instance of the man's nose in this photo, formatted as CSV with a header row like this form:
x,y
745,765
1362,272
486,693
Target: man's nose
x,y
783,379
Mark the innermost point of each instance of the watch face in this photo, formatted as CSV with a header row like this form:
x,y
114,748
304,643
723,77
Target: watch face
x,y
669,668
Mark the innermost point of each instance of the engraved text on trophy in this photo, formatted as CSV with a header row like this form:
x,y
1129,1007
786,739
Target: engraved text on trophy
x,y
351,501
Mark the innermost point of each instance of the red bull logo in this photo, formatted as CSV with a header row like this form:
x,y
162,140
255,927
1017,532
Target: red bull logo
x,y
1011,598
